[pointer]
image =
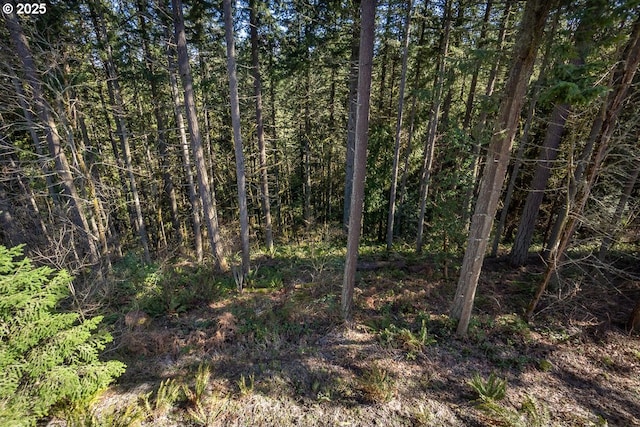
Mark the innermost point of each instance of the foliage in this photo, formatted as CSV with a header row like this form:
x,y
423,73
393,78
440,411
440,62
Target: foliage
x,y
405,339
531,414
49,357
196,395
377,385
167,394
131,415
246,385
490,390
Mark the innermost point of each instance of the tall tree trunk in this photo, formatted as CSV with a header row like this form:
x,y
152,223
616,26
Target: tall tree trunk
x,y
306,147
206,193
88,188
168,187
237,136
427,162
396,151
524,139
482,120
53,139
257,85
600,136
186,156
352,111
412,119
274,139
367,34
29,119
549,151
115,98
524,54
466,122
548,155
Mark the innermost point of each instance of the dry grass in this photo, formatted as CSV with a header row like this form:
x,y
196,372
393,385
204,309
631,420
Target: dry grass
x,y
279,355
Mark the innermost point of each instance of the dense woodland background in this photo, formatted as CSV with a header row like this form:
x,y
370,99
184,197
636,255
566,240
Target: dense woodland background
x,y
218,133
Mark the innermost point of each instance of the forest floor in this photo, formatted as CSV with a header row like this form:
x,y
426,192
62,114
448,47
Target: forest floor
x,y
278,354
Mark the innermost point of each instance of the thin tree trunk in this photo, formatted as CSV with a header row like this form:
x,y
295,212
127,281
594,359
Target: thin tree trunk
x,y
367,34
412,120
352,111
306,155
396,151
237,136
53,139
466,123
168,186
274,138
609,239
524,54
206,193
115,98
186,156
433,124
482,120
600,136
548,154
257,85
89,187
28,116
524,140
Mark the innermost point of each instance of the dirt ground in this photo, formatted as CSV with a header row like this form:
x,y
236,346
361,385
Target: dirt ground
x,y
282,356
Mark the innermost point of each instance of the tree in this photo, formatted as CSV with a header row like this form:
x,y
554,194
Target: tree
x,y
184,149
207,195
257,84
56,151
237,137
47,357
365,63
117,101
396,152
158,112
351,123
550,148
524,53
590,161
434,118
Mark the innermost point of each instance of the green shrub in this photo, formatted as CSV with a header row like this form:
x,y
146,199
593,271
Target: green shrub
x,y
490,390
48,358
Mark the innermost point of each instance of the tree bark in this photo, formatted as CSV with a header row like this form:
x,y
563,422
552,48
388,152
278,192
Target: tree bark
x,y
237,137
396,151
206,193
482,120
186,156
351,123
524,54
257,85
548,155
524,139
427,163
367,34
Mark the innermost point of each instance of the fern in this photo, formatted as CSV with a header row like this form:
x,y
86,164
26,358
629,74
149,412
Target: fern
x,y
49,359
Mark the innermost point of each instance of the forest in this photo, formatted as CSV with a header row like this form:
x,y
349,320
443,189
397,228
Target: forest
x,y
320,213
